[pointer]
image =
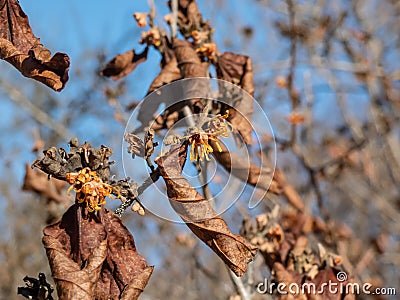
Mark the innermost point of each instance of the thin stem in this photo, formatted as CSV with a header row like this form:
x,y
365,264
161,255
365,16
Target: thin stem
x,y
240,288
153,177
290,77
174,24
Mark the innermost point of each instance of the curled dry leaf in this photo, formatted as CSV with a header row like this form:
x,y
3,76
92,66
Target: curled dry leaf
x,y
169,67
190,18
183,62
20,47
290,193
94,257
199,215
168,118
37,181
52,190
246,170
188,61
190,66
136,145
123,64
169,73
237,69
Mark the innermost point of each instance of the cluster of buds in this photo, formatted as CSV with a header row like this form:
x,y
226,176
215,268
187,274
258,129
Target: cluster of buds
x,y
89,188
199,139
207,50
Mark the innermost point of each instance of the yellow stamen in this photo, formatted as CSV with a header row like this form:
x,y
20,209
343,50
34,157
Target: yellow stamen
x,y
69,190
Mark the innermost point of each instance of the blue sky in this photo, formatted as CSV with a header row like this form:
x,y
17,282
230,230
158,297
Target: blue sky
x,y
81,29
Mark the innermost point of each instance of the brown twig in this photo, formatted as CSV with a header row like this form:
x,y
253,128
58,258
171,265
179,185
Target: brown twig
x,y
152,178
291,76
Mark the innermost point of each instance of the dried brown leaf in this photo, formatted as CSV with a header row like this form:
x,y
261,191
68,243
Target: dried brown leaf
x,y
136,145
169,73
20,47
53,73
94,257
199,215
240,117
168,118
237,69
287,277
188,61
245,170
123,64
190,18
137,285
72,282
39,182
14,26
182,62
288,190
